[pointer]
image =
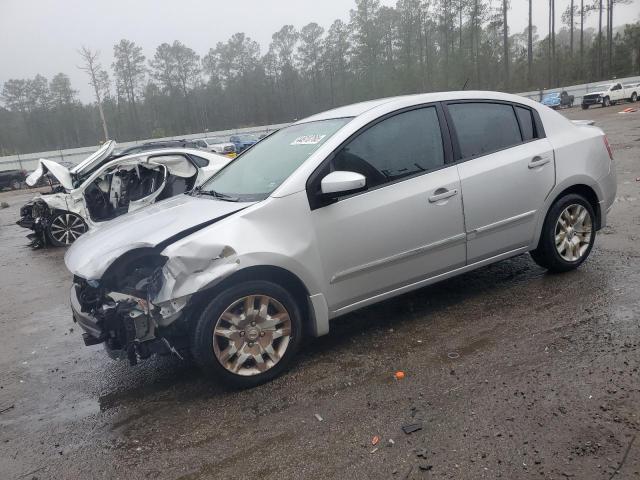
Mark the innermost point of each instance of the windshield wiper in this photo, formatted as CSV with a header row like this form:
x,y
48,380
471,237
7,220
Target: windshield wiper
x,y
213,193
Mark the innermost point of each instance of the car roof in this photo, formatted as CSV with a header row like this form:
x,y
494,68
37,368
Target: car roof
x,y
175,151
358,109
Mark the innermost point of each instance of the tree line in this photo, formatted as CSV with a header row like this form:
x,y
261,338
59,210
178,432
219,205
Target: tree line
x,y
416,46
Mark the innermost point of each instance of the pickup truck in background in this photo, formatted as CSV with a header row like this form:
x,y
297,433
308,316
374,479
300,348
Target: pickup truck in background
x,y
610,94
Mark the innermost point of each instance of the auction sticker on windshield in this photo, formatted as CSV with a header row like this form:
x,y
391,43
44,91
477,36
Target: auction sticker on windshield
x,y
308,140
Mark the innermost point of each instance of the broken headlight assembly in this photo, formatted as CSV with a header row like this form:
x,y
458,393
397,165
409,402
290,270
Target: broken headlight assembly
x,y
119,310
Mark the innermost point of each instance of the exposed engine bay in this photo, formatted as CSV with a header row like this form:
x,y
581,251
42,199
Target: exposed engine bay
x,y
119,311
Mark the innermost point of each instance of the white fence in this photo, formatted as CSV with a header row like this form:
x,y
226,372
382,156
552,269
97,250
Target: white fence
x,y
75,155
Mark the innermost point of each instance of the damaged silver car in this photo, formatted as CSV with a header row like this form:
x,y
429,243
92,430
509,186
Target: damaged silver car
x,y
336,212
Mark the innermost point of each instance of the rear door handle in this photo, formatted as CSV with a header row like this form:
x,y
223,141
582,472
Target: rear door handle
x,y
442,194
538,162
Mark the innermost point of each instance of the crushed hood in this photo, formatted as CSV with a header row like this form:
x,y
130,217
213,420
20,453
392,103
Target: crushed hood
x,y
93,252
61,173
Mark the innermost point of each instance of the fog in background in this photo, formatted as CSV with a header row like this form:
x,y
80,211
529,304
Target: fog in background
x,y
43,36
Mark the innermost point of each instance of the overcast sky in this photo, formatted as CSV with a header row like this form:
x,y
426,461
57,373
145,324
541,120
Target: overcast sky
x,y
42,36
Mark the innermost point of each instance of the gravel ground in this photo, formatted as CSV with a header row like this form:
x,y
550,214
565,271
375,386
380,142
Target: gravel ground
x,y
511,372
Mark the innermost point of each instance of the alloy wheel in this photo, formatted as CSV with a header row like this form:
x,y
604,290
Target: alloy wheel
x,y
573,232
252,335
66,228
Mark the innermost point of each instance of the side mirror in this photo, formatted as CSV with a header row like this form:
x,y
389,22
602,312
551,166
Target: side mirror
x,y
342,182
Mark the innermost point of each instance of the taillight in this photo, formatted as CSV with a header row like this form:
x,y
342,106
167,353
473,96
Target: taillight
x,y
606,144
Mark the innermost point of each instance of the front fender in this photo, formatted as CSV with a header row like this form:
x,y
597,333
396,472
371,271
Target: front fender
x,y
55,201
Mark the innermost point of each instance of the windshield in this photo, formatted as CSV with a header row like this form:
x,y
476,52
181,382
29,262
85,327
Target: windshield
x,y
259,171
552,95
604,87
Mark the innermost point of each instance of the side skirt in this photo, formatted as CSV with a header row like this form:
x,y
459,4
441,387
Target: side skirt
x,y
425,282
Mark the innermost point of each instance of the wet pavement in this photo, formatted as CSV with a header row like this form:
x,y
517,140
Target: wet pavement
x,y
511,373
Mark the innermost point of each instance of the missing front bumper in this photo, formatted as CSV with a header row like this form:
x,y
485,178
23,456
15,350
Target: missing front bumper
x,y
127,329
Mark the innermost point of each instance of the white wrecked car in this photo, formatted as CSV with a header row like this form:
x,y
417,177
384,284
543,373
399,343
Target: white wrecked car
x,y
104,186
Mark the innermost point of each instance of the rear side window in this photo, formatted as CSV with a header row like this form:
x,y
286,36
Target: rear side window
x,y
526,123
484,127
397,147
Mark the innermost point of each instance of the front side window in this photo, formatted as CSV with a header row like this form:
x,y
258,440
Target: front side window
x,y
263,168
484,127
397,147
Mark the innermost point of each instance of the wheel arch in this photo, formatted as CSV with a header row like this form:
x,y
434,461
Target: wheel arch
x,y
312,315
582,189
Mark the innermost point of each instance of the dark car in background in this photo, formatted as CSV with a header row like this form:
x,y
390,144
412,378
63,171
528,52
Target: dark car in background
x,y
160,144
243,141
13,179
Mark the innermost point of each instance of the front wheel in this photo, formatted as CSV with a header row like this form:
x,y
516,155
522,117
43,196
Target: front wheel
x,y
567,235
65,228
606,101
584,107
248,334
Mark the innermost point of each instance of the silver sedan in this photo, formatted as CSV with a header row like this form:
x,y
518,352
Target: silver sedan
x,y
336,212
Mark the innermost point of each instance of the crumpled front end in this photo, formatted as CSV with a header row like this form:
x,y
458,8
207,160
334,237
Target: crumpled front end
x,y
121,311
140,306
35,215
592,99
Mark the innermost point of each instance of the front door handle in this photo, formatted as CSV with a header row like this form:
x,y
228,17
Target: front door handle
x,y
442,194
538,162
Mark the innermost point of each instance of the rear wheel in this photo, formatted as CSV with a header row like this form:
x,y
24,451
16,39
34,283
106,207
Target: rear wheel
x,y
248,334
567,235
634,97
16,184
65,228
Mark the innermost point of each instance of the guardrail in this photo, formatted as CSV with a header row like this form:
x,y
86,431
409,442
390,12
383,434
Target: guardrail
x,y
29,161
578,90
75,155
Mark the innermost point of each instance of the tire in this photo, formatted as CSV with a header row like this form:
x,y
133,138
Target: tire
x,y
606,102
584,107
548,254
216,354
634,97
64,228
16,184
